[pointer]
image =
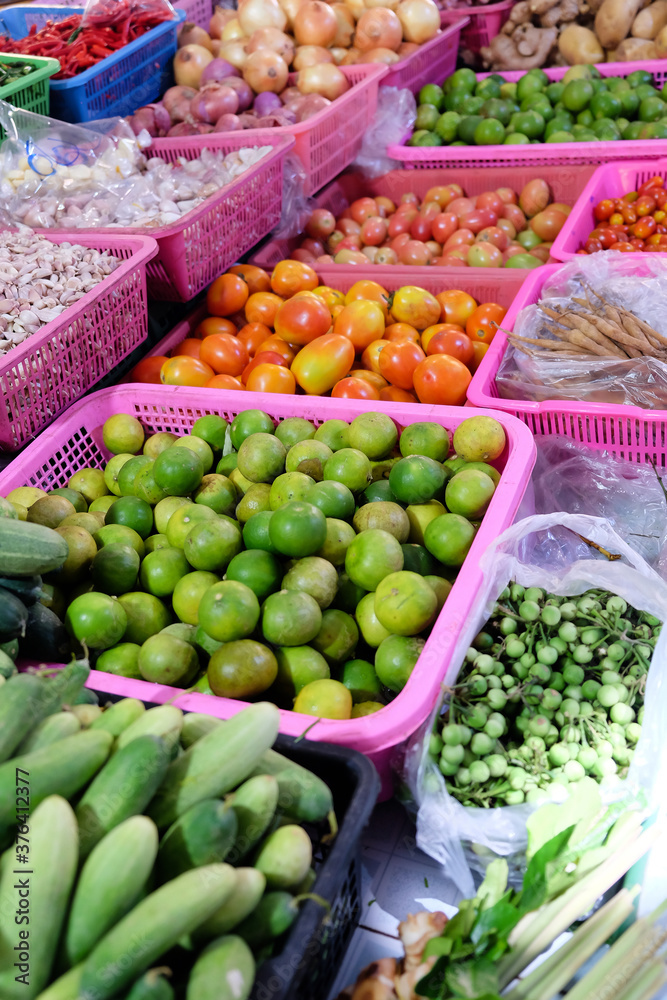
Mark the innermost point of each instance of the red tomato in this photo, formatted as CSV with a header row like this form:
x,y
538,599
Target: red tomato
x,y
252,335
227,295
430,332
263,358
190,347
414,253
374,231
491,201
224,382
271,378
459,237
355,388
392,394
443,226
441,380
415,306
456,306
479,349
361,322
321,224
148,370
349,227
371,357
185,371
399,241
494,235
363,208
262,308
370,290
290,277
276,343
401,331
483,323
368,376
351,242
456,345
398,360
478,220
256,278
302,318
461,206
226,355
212,325
442,194
420,228
323,362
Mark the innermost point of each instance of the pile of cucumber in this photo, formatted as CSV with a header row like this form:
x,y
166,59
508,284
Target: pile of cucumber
x,y
166,852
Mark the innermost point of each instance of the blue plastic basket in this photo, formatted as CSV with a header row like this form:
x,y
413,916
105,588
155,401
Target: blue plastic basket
x,y
119,84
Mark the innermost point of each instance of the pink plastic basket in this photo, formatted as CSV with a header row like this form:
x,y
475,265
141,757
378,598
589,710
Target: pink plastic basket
x,y
50,370
541,154
610,181
630,432
485,23
207,240
197,11
433,61
566,185
75,441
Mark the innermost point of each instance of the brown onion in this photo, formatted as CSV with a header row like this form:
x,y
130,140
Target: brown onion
x,y
215,47
325,79
189,63
310,55
272,38
290,8
352,58
192,34
255,14
235,53
265,70
220,18
380,55
406,49
316,24
390,4
379,28
345,21
338,54
232,31
357,7
420,20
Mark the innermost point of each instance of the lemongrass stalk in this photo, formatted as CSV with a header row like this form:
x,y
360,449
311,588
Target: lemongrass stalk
x,y
552,975
628,953
556,916
646,984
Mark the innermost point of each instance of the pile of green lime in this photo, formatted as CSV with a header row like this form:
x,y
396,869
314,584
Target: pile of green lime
x,y
582,107
304,564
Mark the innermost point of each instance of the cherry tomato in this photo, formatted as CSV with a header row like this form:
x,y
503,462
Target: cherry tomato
x,y
415,306
362,209
409,198
361,322
645,205
401,331
604,209
226,355
441,380
224,382
593,246
271,378
185,371
302,318
290,277
385,206
148,370
386,255
262,308
348,227
414,253
256,278
355,388
483,323
392,394
323,362
456,306
371,356
420,228
351,242
443,226
370,290
400,223
495,236
397,362
374,231
623,247
491,201
644,227
399,241
227,295
321,224
442,194
459,237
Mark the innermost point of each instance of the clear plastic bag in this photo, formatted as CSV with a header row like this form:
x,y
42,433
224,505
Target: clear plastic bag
x,y
542,551
296,206
641,288
395,116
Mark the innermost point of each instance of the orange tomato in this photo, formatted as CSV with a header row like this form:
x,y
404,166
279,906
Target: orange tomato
x,y
370,357
361,322
430,332
373,377
252,335
185,371
189,347
371,291
214,324
148,370
262,307
479,349
451,342
398,361
415,306
227,295
392,394
441,380
402,331
277,344
256,278
271,378
323,362
226,355
456,306
355,388
483,323
302,318
331,296
224,382
291,276
263,358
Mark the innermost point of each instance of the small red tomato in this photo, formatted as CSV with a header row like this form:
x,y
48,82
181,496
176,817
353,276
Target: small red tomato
x,y
321,224
420,228
373,231
459,237
490,200
604,209
494,235
592,246
414,252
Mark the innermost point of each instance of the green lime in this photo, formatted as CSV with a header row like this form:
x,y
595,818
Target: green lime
x,y
145,487
259,570
581,134
155,542
585,117
256,532
362,682
338,636
146,615
498,109
261,457
508,91
529,123
165,508
449,538
487,88
606,130
188,593
297,666
77,499
416,479
539,103
373,434
489,132
254,500
241,669
97,620
431,93
290,618
227,463
127,473
350,467
334,433
122,433
348,596
447,125
182,520
121,660
421,514
463,79
516,139
395,660
115,568
561,136
133,513
89,482
651,109
371,556
325,699
295,429
166,659
425,138
556,125
228,611
381,490
250,422
211,545
371,630
654,130
577,95
212,429
199,447
340,535
645,90
427,117
315,576
633,130
109,534
304,451
217,492
178,471
290,486
605,105
639,77
161,570
334,499
555,91
466,128
156,443
528,86
469,493
417,559
405,603
579,72
298,529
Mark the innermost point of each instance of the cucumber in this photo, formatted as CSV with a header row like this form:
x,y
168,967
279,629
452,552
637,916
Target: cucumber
x,y
7,666
66,987
203,835
28,588
285,857
274,914
123,788
86,714
303,796
165,721
19,700
250,886
196,725
50,730
120,716
11,648
60,769
30,549
46,638
50,877
154,926
216,763
86,697
13,616
110,884
254,803
152,986
225,970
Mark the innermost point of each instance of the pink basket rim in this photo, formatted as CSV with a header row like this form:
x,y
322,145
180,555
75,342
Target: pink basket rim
x,y
397,68
585,201
454,13
397,720
265,137
143,250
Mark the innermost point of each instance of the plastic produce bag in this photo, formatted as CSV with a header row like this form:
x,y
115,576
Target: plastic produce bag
x,y
395,116
641,288
542,551
296,207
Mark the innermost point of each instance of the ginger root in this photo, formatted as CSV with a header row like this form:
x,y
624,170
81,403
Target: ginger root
x,y
562,13
527,48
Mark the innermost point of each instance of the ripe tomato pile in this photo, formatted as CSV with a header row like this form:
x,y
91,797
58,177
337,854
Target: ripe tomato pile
x,y
286,333
500,228
635,223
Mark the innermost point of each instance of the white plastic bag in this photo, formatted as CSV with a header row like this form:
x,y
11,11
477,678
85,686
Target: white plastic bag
x,y
542,551
395,116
